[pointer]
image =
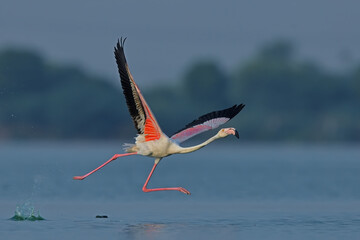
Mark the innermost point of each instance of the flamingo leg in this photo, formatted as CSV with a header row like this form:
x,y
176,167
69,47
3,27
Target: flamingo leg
x,y
102,165
183,190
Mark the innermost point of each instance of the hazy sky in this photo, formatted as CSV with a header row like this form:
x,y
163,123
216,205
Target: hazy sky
x,y
166,36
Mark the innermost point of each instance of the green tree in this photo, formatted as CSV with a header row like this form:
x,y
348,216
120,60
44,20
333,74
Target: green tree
x,y
21,71
43,100
206,84
290,99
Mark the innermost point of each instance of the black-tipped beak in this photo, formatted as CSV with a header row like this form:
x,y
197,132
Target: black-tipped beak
x,y
236,134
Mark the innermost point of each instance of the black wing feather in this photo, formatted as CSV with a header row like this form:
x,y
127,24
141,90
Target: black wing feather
x,y
128,88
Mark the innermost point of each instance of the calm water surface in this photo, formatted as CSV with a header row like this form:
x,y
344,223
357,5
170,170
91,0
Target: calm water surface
x,y
238,192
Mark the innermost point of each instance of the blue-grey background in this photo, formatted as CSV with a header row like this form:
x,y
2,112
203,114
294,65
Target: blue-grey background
x,y
294,174
164,37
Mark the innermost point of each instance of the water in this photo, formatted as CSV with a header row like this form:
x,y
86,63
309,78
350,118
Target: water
x,y
238,192
26,212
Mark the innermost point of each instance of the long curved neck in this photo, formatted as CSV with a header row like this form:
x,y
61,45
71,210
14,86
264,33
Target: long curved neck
x,y
201,145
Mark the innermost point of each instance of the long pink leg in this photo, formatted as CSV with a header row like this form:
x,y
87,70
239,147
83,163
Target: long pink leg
x,y
183,190
108,161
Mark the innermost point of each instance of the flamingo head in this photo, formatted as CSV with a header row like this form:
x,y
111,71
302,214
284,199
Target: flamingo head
x,y
224,132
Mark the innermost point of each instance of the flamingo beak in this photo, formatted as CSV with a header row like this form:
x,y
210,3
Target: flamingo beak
x,y
236,134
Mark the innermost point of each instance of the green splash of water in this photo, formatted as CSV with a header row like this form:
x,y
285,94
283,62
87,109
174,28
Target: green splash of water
x,y
26,212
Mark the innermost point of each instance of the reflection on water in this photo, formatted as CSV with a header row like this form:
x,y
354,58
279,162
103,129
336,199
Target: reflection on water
x,y
275,227
147,230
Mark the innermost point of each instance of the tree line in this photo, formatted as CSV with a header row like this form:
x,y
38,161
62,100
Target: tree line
x,y
286,99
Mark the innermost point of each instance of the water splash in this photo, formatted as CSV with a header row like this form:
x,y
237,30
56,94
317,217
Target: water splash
x,y
26,211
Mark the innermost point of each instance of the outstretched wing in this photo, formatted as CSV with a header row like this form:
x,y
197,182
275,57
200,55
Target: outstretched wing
x,y
144,121
207,122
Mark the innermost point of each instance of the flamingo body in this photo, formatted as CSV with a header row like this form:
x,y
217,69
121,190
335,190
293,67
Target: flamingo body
x,y
151,141
159,148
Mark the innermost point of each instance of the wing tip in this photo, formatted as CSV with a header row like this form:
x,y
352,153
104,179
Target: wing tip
x,y
121,42
234,110
119,48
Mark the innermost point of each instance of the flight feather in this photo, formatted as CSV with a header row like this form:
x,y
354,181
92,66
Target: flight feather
x,y
206,122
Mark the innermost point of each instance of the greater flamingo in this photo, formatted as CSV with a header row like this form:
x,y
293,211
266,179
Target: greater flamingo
x,y
151,141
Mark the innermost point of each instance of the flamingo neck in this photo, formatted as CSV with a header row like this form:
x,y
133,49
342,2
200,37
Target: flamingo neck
x,y
201,145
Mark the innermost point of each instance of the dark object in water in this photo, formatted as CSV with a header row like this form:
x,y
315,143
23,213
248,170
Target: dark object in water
x,y
101,216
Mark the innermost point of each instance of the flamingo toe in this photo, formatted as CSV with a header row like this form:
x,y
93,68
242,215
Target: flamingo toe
x,y
78,178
